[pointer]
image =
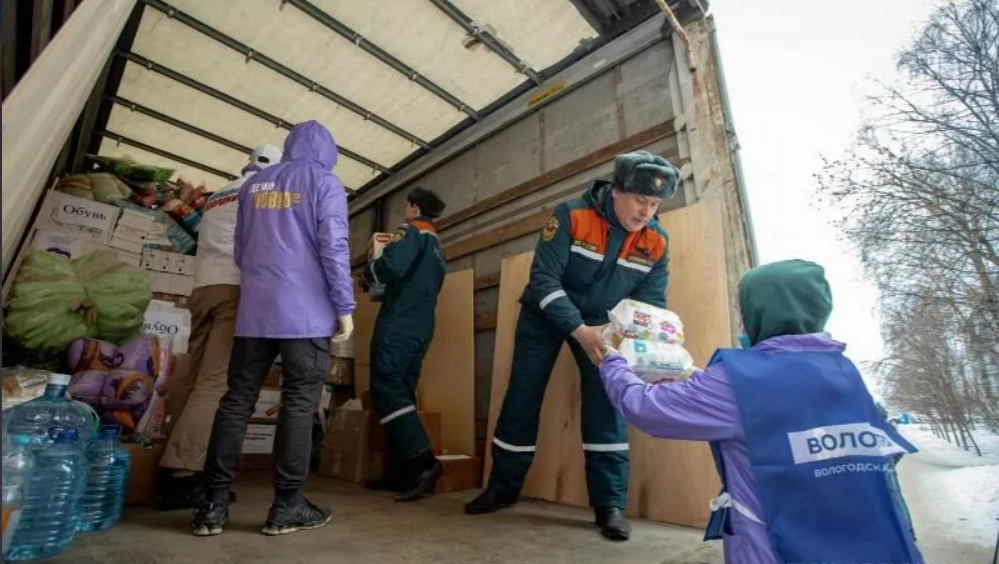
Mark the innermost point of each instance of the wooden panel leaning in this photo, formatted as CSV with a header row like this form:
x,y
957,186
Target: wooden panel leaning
x,y
447,378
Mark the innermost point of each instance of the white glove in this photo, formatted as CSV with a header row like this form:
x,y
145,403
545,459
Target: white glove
x,y
345,327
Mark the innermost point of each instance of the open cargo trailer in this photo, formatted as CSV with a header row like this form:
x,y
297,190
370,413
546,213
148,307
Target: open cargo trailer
x,y
504,108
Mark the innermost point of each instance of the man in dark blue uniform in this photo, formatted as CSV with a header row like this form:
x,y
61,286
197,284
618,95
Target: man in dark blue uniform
x,y
594,252
411,269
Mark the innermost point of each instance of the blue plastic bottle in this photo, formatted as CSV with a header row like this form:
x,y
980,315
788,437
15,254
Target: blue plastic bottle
x,y
18,466
52,409
50,514
107,481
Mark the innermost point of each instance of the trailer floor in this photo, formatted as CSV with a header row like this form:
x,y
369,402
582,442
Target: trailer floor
x,y
369,527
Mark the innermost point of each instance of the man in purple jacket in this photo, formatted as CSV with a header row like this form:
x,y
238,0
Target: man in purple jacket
x,y
292,250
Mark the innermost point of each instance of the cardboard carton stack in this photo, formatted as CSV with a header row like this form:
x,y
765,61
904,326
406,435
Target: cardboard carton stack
x,y
169,273
342,364
355,449
136,230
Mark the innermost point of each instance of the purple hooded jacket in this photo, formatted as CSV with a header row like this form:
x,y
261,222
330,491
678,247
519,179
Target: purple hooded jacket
x,y
704,408
291,243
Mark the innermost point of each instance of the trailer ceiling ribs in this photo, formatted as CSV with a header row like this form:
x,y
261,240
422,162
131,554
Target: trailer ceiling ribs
x,y
253,55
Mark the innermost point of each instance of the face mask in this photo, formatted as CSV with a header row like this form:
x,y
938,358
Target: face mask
x,y
743,339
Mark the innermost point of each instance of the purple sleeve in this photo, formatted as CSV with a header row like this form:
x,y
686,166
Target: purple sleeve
x,y
334,247
702,408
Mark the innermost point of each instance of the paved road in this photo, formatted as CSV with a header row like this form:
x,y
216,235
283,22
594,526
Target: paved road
x,y
920,476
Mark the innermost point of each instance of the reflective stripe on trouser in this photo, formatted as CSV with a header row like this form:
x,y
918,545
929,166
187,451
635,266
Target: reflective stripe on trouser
x,y
605,433
395,373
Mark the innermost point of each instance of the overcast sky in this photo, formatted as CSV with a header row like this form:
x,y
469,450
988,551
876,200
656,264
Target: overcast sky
x,y
796,72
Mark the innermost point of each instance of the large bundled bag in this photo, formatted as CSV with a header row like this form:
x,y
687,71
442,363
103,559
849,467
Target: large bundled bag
x,y
55,301
126,385
100,186
650,338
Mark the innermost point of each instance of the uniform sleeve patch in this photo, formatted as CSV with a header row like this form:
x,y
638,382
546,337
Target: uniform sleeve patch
x,y
399,234
548,233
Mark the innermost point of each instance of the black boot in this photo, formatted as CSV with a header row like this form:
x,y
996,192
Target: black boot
x,y
173,493
425,470
612,523
488,502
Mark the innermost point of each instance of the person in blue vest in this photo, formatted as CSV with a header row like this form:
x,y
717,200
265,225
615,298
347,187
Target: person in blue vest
x,y
411,269
799,444
593,253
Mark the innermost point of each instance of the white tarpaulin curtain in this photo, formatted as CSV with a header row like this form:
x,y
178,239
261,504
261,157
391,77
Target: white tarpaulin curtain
x,y
40,112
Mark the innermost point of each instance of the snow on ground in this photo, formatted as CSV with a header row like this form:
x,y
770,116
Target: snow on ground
x,y
954,494
949,454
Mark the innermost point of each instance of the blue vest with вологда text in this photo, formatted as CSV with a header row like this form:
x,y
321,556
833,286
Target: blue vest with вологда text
x,y
819,452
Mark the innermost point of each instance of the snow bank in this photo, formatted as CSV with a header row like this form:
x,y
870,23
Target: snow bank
x,y
958,491
949,454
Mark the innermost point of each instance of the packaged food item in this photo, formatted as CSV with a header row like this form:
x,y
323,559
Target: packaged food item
x,y
632,319
650,338
656,362
375,248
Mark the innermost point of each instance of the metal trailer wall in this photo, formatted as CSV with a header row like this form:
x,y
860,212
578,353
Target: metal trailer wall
x,y
651,100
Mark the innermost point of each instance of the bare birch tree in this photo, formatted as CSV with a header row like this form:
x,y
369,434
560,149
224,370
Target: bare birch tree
x,y
919,192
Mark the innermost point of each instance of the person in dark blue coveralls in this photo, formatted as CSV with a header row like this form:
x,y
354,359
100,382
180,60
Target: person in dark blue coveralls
x,y
412,269
593,253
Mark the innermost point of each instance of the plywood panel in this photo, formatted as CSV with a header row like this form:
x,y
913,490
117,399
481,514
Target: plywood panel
x,y
670,481
447,380
698,293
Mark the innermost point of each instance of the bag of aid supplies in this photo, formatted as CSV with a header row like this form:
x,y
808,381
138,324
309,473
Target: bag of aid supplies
x,y
651,340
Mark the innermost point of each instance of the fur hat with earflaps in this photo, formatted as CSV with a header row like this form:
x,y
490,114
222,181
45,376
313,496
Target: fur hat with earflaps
x,y
643,173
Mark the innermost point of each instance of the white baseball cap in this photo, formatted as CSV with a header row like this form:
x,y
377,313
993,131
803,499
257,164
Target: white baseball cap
x,y
265,156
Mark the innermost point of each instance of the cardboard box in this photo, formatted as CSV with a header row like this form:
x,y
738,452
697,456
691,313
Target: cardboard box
x,y
268,404
460,473
273,379
344,349
256,462
431,424
341,372
141,489
345,452
69,243
259,439
89,218
377,245
164,318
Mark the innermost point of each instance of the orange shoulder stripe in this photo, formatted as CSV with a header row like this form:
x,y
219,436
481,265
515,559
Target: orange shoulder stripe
x,y
424,226
589,229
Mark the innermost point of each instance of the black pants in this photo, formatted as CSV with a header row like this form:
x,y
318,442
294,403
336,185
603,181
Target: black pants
x,y
305,364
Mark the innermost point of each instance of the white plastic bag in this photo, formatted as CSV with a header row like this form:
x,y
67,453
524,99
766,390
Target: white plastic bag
x,y
656,362
650,338
637,320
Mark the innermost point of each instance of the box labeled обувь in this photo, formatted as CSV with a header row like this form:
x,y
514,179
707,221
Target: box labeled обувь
x,y
93,219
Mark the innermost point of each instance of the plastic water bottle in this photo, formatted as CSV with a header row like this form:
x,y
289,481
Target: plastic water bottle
x,y
18,464
52,409
50,514
107,481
